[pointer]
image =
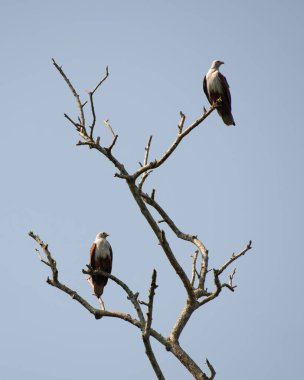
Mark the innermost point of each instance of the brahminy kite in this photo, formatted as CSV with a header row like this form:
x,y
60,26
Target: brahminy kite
x,y
101,257
215,86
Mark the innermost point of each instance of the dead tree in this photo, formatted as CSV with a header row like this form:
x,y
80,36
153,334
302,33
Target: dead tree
x,y
196,293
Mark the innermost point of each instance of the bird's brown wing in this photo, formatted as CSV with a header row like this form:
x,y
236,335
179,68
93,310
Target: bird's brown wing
x,y
107,263
92,256
226,91
206,89
97,280
111,253
225,109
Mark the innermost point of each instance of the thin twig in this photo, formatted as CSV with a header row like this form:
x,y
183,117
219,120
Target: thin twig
x,y
40,257
147,329
115,137
156,163
109,149
194,271
181,123
80,107
145,174
235,257
212,370
147,150
230,285
77,126
108,125
103,79
93,114
153,286
143,302
231,276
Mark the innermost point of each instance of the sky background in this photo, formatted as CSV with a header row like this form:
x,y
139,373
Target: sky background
x,y
227,185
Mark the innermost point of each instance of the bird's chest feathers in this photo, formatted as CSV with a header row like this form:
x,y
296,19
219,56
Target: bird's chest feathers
x,y
213,82
102,250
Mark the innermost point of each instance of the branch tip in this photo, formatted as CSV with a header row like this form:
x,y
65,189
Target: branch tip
x,y
212,370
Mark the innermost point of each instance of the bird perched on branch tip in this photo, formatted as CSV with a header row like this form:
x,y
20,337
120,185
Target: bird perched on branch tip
x,y
215,87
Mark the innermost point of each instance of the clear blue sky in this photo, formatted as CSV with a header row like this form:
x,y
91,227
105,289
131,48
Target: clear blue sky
x,y
227,185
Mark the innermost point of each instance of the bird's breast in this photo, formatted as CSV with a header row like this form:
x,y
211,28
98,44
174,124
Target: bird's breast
x,y
102,249
213,83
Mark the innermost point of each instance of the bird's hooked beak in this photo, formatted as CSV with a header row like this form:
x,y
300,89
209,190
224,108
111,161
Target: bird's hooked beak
x,y
221,62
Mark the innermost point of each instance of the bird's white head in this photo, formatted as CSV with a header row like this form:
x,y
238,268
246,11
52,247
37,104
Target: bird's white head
x,y
216,64
102,235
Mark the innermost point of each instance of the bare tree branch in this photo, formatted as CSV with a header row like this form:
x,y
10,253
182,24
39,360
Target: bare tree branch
x,y
93,114
186,360
54,281
181,123
216,292
131,296
77,126
162,239
145,174
108,125
212,371
230,286
152,358
174,347
150,304
80,107
91,94
235,257
156,163
188,237
194,271
147,330
182,320
115,137
41,258
101,82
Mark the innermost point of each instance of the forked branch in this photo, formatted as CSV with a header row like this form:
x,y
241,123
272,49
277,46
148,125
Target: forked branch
x,y
77,98
156,163
141,323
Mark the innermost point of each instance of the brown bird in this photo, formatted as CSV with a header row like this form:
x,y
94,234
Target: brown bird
x,y
101,257
215,86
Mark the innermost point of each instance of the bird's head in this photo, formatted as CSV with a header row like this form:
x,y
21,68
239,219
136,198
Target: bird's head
x,y
216,64
102,235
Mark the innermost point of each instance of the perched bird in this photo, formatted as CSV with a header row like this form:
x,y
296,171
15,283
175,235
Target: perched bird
x,y
215,86
101,257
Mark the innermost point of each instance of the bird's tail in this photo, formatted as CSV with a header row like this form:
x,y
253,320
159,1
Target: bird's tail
x,y
228,119
98,284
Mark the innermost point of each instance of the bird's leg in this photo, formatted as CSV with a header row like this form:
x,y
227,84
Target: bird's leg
x,y
102,306
90,282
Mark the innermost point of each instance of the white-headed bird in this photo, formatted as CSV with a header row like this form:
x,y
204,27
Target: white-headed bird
x,y
101,257
216,86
